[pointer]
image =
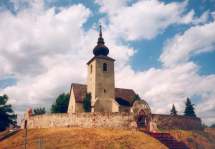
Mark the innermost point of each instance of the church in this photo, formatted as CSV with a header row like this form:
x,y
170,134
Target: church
x,y
110,107
101,85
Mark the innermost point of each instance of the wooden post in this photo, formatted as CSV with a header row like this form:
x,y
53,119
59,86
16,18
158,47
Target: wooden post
x,y
40,142
26,134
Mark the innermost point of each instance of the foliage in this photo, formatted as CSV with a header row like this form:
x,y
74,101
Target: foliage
x,y
173,111
212,126
61,104
204,126
39,111
136,97
189,109
7,115
87,103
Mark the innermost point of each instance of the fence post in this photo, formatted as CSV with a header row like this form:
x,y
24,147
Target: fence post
x,y
26,133
40,141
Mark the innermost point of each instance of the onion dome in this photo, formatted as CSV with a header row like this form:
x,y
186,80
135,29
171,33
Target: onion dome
x,y
100,48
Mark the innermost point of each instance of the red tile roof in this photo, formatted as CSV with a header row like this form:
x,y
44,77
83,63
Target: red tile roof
x,y
80,91
126,94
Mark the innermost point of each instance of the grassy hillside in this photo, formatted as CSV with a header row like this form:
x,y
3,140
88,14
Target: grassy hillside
x,y
82,138
196,139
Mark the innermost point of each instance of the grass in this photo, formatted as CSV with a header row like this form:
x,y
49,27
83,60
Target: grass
x,y
82,138
196,139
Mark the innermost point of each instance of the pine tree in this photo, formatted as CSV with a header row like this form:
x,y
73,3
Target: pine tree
x,y
39,111
189,109
173,111
7,115
61,104
87,103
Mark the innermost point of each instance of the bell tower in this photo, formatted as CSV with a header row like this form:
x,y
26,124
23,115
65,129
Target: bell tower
x,y
100,80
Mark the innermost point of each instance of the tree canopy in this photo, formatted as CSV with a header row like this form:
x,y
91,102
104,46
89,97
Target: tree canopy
x,y
136,97
173,111
87,103
189,109
39,111
212,126
61,104
7,115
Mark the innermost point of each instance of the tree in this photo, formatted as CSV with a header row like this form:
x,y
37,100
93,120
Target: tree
x,y
173,111
39,111
87,103
136,97
212,126
61,104
7,116
189,109
204,125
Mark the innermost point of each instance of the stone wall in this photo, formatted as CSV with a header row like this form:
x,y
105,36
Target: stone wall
x,y
121,120
176,122
85,120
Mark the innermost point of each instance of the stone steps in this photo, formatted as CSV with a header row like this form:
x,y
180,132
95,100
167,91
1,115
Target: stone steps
x,y
168,140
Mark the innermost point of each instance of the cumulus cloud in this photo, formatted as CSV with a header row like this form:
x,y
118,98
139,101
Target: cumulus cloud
x,y
46,49
43,48
166,86
197,39
145,19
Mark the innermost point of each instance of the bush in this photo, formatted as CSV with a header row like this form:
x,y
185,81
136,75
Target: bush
x,y
87,103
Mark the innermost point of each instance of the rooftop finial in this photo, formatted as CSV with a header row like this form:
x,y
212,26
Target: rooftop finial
x,y
100,39
100,48
100,30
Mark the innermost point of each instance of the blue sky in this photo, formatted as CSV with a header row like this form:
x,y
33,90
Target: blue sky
x,y
148,50
165,48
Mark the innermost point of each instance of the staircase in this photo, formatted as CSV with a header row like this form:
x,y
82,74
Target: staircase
x,y
7,134
168,140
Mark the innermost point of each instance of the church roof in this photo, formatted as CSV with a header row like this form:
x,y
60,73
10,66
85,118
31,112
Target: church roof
x,y
121,94
101,57
100,48
80,91
126,94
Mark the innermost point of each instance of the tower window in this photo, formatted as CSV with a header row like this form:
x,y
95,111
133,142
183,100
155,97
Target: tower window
x,y
104,67
91,68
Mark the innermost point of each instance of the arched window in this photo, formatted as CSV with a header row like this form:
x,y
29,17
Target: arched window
x,y
104,67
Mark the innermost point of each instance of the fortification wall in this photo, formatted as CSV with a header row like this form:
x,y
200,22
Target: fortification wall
x,y
85,120
121,120
176,122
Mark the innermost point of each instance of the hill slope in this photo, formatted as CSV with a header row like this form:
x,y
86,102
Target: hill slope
x,y
196,139
92,138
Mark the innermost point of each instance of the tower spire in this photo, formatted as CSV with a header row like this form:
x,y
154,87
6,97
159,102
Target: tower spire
x,y
100,39
100,48
100,30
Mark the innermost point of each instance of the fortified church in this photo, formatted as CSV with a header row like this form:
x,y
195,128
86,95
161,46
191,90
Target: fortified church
x,y
110,107
101,85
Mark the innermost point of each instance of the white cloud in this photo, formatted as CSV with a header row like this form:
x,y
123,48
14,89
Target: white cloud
x,y
28,37
166,86
145,19
42,50
47,51
197,39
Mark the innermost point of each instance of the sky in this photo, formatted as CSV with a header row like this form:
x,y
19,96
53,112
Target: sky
x,y
164,50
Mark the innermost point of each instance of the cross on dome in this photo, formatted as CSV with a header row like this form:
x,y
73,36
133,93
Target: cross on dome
x,y
100,48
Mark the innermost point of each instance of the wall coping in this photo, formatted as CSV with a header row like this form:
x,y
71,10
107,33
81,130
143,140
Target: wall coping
x,y
179,116
85,113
